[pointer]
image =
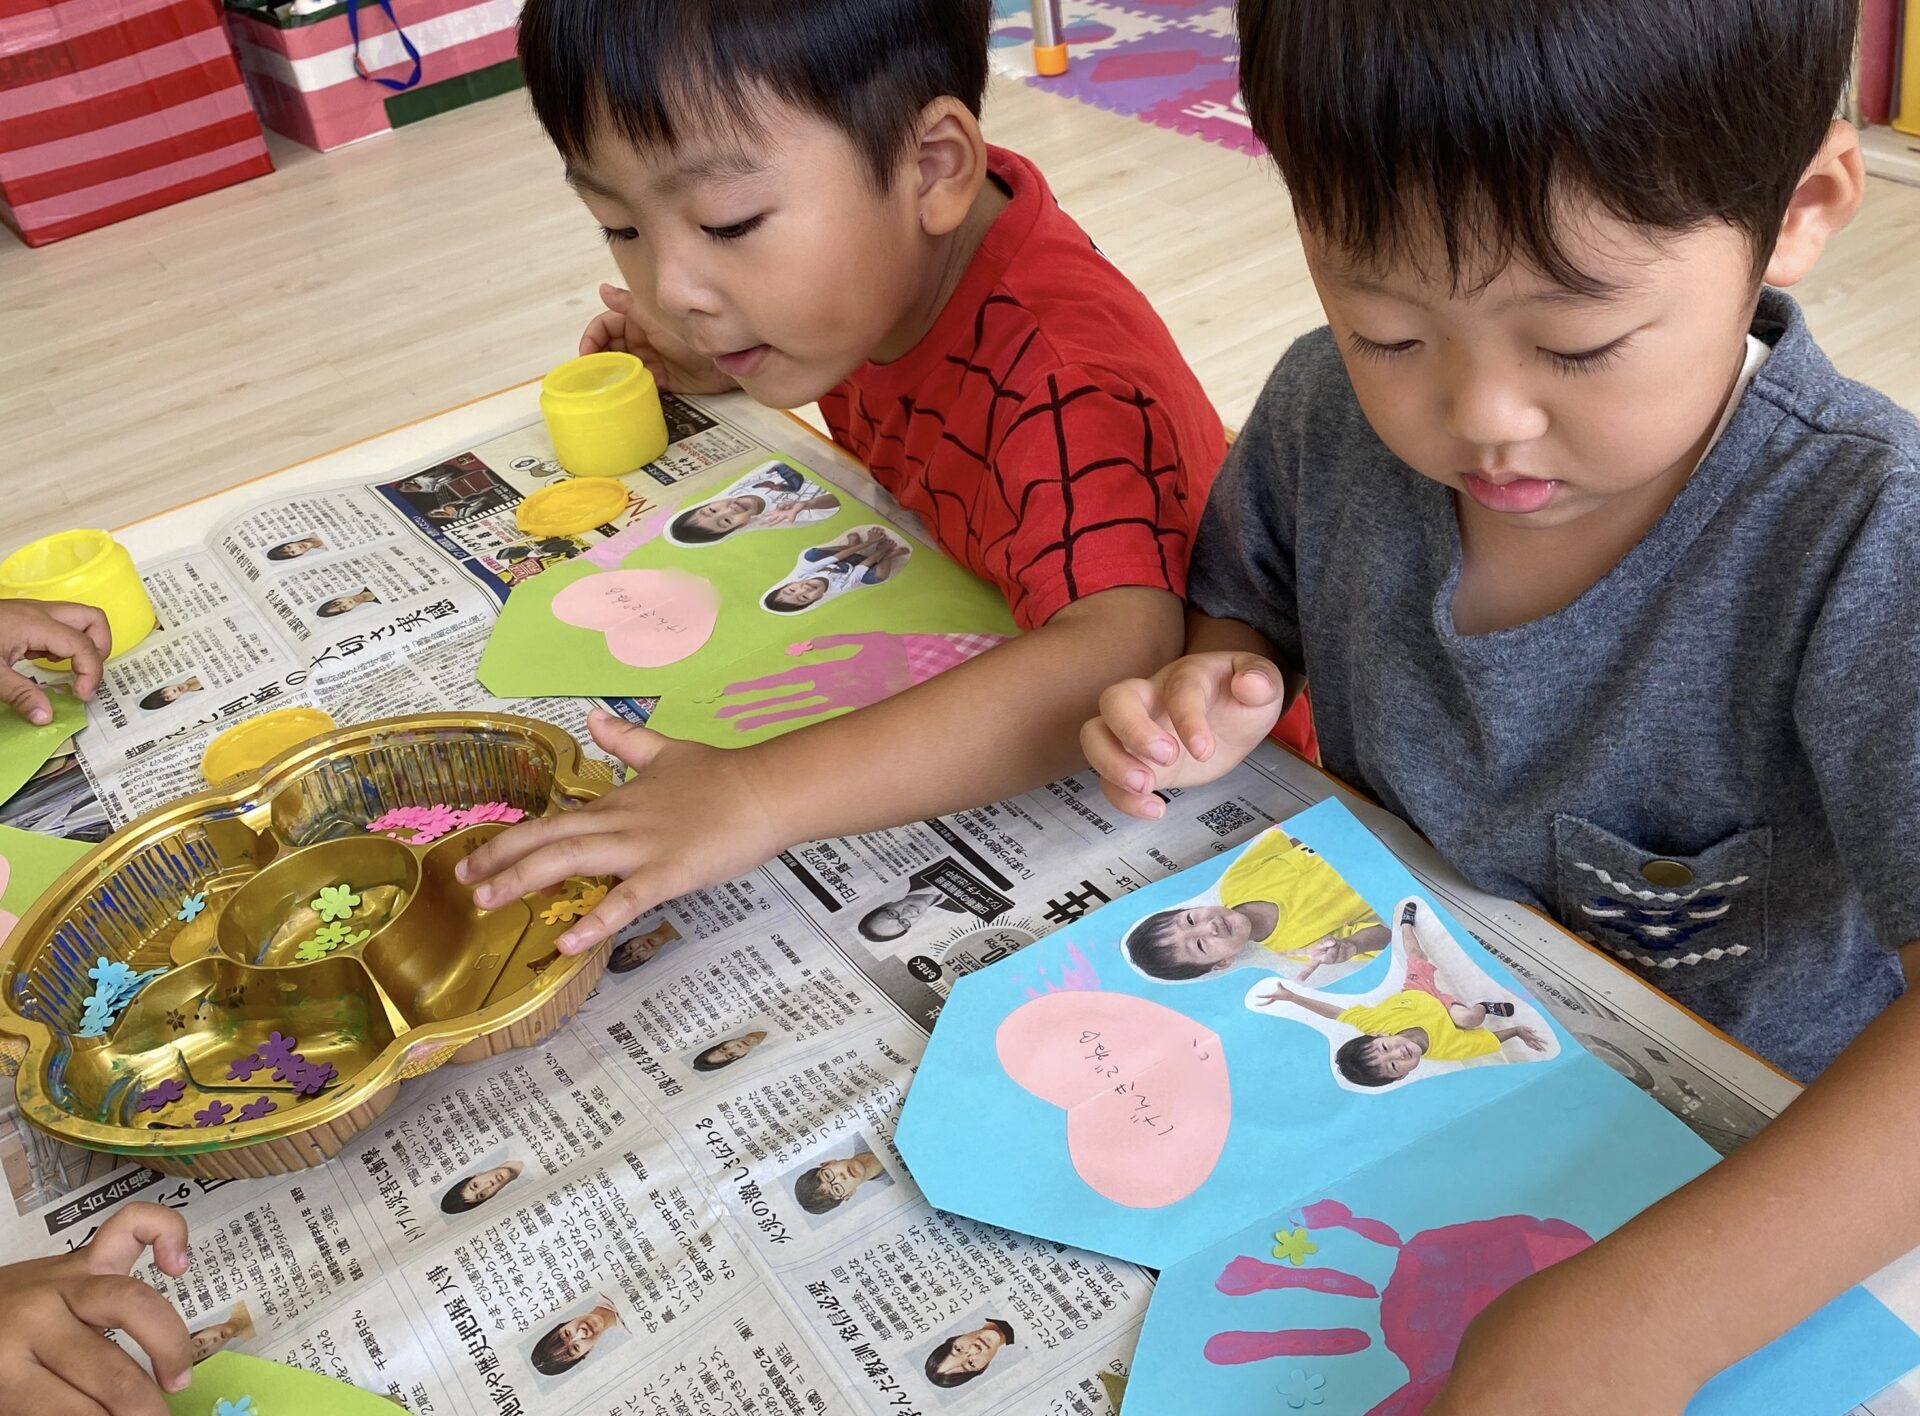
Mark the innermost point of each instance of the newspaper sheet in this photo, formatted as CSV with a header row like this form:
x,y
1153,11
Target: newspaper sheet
x,y
689,1201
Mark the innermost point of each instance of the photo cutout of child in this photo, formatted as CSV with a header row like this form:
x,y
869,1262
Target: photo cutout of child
x,y
1280,908
474,1187
771,496
866,555
1438,1011
208,1338
983,1346
847,1172
575,1334
636,945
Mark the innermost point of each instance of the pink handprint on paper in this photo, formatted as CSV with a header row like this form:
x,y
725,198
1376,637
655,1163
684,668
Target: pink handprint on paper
x,y
880,666
8,919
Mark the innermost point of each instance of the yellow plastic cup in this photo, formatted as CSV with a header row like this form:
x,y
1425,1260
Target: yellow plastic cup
x,y
603,414
88,568
249,746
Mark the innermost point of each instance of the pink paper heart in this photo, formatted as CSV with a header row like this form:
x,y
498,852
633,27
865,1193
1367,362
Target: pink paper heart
x,y
1145,1090
650,617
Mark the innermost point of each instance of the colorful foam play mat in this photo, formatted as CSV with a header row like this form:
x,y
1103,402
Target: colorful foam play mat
x,y
1171,62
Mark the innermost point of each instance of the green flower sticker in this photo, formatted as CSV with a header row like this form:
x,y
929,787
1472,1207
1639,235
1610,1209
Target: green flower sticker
x,y
336,902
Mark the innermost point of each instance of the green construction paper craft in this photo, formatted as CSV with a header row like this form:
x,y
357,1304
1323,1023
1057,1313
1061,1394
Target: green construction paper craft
x,y
276,1390
24,748
753,631
29,863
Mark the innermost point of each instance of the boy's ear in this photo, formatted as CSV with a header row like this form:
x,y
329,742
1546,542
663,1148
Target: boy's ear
x,y
1829,194
950,165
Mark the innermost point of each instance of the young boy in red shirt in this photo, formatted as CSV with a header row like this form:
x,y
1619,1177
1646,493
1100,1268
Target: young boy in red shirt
x,y
802,206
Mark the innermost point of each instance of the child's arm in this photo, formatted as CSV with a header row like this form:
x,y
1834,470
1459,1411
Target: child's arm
x,y
53,1357
781,515
1835,1171
989,728
56,630
1278,992
1192,722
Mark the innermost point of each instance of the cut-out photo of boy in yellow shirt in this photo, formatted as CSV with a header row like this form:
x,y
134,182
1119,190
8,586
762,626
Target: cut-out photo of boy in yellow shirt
x,y
1280,905
1412,1022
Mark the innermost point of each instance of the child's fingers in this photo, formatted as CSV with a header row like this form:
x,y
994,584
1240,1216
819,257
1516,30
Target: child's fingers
x,y
1254,682
41,1392
29,700
1129,709
625,903
127,1236
632,744
534,855
100,1372
616,298
1119,769
1191,694
157,1329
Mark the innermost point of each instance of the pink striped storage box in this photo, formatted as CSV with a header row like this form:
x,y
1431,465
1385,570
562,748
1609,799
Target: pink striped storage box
x,y
307,85
109,108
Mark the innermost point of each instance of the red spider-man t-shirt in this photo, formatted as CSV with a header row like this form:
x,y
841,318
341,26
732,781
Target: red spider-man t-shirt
x,y
1046,429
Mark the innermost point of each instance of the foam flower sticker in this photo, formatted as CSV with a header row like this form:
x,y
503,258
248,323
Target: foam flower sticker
x,y
310,1079
214,1113
560,911
336,902
241,1069
111,978
1303,1389
258,1107
1293,1246
278,1048
161,1095
243,1407
191,906
589,898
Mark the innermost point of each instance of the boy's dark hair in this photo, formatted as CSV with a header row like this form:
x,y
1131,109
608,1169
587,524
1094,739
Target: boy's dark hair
x,y
644,68
1147,947
945,1350
1672,114
1358,1064
157,698
684,530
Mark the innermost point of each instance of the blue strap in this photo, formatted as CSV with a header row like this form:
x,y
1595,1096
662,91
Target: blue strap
x,y
353,28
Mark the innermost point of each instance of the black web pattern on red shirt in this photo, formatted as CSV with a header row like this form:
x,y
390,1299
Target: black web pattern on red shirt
x,y
977,517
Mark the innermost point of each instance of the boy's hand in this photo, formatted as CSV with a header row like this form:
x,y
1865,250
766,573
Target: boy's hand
x,y
54,1360
624,327
1190,723
1277,992
51,629
692,817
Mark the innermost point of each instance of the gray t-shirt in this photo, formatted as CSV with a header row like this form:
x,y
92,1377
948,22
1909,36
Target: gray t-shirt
x,y
1706,765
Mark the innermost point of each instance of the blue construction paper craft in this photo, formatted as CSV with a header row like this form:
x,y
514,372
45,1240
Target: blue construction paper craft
x,y
1274,1042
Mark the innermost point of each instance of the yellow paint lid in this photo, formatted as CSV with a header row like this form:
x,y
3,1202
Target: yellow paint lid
x,y
571,506
249,746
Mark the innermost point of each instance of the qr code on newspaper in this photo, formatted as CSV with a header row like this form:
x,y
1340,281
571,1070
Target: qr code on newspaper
x,y
1226,818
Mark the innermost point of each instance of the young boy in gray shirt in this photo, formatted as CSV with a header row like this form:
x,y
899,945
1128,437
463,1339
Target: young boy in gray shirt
x,y
1605,580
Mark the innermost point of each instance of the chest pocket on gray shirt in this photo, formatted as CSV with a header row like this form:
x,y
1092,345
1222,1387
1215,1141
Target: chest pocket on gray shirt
x,y
1686,920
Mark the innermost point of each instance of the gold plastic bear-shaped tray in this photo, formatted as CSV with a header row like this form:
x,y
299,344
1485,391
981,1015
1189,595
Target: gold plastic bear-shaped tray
x,y
192,1077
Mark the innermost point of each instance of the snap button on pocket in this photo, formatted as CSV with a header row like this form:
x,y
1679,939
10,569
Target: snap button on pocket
x,y
1666,874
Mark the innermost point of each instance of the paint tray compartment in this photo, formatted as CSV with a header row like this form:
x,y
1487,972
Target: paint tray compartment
x,y
178,1078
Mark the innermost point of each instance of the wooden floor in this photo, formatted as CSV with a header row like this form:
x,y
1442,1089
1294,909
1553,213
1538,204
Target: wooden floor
x,y
181,352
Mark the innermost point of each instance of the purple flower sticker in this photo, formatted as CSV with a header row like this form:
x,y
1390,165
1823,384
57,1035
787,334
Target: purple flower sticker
x,y
257,1108
161,1095
214,1113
